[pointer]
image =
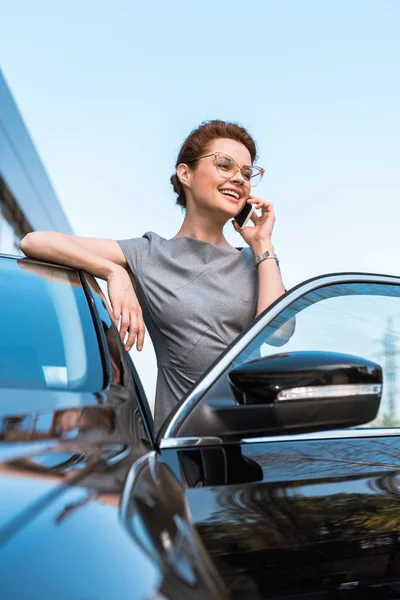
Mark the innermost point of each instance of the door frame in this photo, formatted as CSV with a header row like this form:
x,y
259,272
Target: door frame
x,y
168,437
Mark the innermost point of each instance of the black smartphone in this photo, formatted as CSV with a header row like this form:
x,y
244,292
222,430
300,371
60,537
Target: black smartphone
x,y
244,216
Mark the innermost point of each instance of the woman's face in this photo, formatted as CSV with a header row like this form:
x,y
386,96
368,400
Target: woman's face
x,y
211,190
68,419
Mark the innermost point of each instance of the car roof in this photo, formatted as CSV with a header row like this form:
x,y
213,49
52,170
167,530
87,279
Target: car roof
x,y
6,258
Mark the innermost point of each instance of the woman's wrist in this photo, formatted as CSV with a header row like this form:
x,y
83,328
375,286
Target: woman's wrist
x,y
112,269
261,246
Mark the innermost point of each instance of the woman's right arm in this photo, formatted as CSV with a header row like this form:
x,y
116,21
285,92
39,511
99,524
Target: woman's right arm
x,y
102,258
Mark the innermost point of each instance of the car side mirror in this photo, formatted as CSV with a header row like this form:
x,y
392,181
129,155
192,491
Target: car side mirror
x,y
290,393
308,391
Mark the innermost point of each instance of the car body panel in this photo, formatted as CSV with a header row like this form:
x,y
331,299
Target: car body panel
x,y
74,546
314,515
64,461
91,506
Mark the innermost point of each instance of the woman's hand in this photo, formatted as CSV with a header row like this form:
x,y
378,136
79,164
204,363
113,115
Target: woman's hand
x,y
259,236
126,309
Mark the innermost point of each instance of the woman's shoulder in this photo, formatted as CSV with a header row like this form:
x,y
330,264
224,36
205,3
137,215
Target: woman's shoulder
x,y
182,249
138,248
154,238
146,239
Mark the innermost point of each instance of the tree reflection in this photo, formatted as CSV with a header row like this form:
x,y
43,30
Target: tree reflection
x,y
323,508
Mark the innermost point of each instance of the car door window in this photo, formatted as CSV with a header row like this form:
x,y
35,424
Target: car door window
x,y
122,370
47,338
362,319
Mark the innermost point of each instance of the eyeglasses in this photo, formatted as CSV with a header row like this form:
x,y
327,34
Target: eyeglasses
x,y
227,168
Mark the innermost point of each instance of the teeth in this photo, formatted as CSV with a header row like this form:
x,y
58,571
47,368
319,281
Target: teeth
x,y
231,193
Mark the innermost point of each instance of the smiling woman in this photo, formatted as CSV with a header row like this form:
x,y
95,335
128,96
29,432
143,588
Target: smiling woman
x,y
195,292
200,139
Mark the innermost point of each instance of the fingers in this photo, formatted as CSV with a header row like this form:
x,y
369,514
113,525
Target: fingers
x,y
260,204
131,323
255,218
126,310
125,323
136,331
254,200
267,211
116,308
133,326
140,335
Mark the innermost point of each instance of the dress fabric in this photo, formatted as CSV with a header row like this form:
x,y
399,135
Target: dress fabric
x,y
196,299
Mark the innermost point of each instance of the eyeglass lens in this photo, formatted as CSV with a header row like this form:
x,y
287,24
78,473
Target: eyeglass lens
x,y
227,168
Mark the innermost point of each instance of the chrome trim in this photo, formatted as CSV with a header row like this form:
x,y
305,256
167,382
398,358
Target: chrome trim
x,y
189,442
326,435
316,392
322,281
115,458
299,437
130,481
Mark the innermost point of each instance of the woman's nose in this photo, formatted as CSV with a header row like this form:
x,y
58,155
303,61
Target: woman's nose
x,y
238,178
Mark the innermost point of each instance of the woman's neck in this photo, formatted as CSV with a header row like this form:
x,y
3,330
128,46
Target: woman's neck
x,y
204,230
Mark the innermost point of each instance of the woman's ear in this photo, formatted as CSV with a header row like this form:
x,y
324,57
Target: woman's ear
x,y
184,174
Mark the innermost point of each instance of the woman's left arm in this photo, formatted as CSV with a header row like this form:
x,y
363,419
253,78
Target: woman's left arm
x,y
259,238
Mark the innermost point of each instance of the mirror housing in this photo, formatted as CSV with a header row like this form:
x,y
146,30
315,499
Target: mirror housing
x,y
303,375
310,391
290,393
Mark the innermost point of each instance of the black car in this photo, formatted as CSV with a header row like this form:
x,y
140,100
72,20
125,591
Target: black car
x,y
276,476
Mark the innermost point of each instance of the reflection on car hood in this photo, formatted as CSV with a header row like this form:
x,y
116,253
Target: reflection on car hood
x,y
58,440
22,400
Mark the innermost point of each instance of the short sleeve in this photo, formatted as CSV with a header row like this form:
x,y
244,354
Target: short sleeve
x,y
134,251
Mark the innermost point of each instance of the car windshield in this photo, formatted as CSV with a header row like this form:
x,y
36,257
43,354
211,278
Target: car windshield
x,y
47,338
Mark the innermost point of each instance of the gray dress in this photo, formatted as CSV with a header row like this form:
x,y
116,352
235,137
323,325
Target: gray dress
x,y
196,299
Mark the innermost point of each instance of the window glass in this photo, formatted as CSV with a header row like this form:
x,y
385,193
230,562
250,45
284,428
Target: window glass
x,y
7,237
362,319
47,338
16,242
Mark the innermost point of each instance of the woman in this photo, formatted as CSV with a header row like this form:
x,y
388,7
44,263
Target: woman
x,y
195,292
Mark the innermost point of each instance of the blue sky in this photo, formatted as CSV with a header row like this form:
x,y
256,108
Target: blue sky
x,y
110,90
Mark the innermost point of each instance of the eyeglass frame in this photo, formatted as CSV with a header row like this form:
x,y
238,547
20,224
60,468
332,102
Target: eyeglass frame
x,y
260,169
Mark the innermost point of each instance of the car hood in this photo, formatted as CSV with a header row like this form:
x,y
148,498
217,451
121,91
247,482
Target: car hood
x,y
64,458
53,440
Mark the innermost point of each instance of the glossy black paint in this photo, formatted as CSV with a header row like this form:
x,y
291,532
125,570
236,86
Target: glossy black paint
x,y
243,403
91,508
297,517
64,461
258,384
260,381
155,513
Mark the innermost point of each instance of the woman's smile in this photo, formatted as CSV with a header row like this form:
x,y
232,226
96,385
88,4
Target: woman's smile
x,y
233,194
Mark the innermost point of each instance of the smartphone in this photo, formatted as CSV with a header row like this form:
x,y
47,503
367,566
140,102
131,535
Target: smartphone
x,y
244,216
